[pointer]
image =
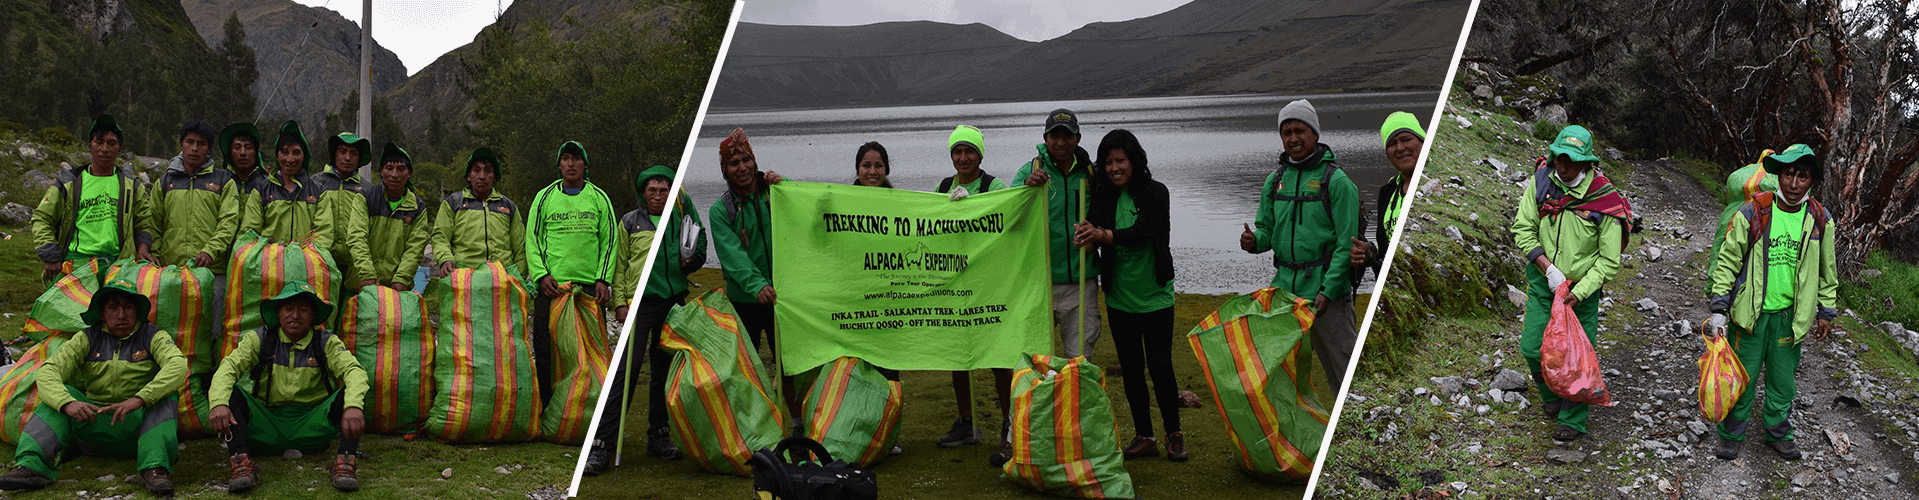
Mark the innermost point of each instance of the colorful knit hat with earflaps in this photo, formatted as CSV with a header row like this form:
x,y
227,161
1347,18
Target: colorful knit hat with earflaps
x,y
270,308
235,131
1399,121
1776,163
117,287
576,148
351,139
293,127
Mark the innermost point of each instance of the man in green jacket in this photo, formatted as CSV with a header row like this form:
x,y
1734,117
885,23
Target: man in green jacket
x,y
345,201
1571,224
1741,185
570,238
1777,278
307,388
742,234
196,208
285,205
92,212
666,286
397,229
122,359
240,142
1063,169
1308,217
479,224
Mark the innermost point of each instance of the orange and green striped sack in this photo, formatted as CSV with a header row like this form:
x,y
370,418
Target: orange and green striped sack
x,y
194,407
483,385
18,389
580,358
854,411
718,398
1256,356
259,269
389,333
58,309
1721,379
182,305
1065,439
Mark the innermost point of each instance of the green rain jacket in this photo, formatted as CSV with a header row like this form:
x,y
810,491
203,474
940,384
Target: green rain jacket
x,y
1311,245
109,370
637,230
284,210
1062,210
742,230
396,237
669,277
471,231
54,221
1739,279
194,214
344,201
572,238
1586,248
295,375
1745,182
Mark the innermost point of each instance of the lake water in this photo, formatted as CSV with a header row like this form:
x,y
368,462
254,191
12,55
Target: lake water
x,y
1212,153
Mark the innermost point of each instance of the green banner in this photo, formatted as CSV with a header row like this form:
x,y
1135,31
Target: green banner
x,y
908,280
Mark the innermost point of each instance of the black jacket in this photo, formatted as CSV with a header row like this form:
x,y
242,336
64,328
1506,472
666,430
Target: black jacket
x,y
1153,226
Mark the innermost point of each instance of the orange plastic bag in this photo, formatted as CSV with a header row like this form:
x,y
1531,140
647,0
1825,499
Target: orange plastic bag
x,y
1721,379
1567,357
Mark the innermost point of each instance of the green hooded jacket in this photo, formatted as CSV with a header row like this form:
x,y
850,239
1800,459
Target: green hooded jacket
x,y
1586,249
110,369
471,231
54,222
396,237
668,278
194,213
1739,282
1062,209
286,209
641,229
346,203
1306,234
742,234
298,373
572,238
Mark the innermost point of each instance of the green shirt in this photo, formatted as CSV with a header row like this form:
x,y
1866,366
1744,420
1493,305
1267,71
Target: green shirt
x,y
97,230
1134,290
974,187
1782,256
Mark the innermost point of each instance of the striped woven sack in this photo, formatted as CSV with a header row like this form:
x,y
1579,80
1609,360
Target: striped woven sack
x,y
18,389
1065,439
58,309
1256,356
194,407
1721,379
719,398
484,390
389,333
854,411
182,306
259,269
580,355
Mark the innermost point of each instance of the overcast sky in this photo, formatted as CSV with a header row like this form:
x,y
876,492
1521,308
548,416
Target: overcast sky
x,y
419,31
1028,20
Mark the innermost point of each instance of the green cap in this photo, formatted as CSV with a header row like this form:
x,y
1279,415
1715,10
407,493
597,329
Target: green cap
x,y
1776,162
293,127
1399,121
105,123
235,131
391,149
1574,142
966,134
639,183
121,286
484,153
361,143
572,147
270,308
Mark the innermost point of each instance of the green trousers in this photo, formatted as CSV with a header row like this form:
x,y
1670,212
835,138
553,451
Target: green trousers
x,y
1770,342
1539,311
150,435
277,428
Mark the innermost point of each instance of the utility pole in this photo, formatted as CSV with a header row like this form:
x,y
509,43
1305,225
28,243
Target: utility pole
x,y
366,69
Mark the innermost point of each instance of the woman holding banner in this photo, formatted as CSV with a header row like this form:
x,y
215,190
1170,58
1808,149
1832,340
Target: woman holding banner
x,y
870,166
1129,226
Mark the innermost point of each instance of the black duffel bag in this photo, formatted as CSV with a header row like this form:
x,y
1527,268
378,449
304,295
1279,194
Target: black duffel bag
x,y
776,478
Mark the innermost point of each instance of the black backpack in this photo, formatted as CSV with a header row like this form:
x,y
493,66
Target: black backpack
x,y
985,183
776,478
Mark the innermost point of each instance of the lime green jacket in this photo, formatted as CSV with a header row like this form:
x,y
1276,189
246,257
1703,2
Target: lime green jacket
x,y
54,222
1584,246
396,237
295,376
470,231
344,204
1063,190
636,242
1742,183
742,228
284,210
668,278
109,370
1303,234
1739,282
194,214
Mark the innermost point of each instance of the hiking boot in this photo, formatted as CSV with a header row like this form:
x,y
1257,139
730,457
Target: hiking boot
x,y
598,459
1005,453
963,432
1551,409
1566,434
342,472
1786,449
158,481
1728,449
659,444
23,478
245,476
1176,446
1142,447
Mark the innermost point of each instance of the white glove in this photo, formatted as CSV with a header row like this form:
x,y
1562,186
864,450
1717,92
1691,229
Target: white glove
x,y
1554,277
1716,327
957,194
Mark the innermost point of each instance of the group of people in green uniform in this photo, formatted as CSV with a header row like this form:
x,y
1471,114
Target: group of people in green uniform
x,y
291,384
1773,277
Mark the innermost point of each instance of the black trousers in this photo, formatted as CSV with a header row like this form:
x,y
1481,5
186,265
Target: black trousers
x,y
650,315
757,318
1145,345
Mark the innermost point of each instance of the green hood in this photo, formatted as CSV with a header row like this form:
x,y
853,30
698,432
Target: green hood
x,y
235,131
116,287
499,168
292,127
105,123
270,308
361,143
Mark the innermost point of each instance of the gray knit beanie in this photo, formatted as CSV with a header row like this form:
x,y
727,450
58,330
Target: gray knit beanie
x,y
1301,110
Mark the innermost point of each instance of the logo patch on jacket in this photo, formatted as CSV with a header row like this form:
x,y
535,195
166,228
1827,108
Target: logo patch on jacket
x,y
213,187
1312,185
312,361
311,199
140,356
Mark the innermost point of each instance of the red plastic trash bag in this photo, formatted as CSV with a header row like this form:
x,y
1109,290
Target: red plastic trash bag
x,y
1721,379
1567,357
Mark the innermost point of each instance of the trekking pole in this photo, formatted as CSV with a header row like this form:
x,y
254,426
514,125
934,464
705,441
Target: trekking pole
x,y
1082,275
626,401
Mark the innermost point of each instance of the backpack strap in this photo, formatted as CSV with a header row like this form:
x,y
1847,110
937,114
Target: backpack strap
x,y
946,185
1325,201
273,351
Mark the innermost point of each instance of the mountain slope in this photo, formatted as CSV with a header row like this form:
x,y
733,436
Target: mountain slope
x,y
308,57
